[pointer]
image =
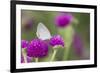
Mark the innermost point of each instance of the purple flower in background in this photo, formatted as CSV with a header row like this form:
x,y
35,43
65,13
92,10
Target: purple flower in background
x,y
63,19
27,22
57,40
37,48
78,44
24,44
28,59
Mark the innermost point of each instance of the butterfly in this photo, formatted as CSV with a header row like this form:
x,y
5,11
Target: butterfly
x,y
43,32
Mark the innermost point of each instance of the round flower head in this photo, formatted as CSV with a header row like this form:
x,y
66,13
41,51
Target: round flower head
x,y
63,19
78,44
37,48
57,40
24,44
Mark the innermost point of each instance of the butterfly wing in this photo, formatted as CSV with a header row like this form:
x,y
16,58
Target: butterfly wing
x,y
42,32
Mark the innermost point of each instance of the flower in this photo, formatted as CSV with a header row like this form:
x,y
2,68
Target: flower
x,y
63,19
28,59
27,22
24,44
78,44
37,48
56,40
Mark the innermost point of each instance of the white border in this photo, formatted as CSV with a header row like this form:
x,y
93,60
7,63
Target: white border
x,y
20,65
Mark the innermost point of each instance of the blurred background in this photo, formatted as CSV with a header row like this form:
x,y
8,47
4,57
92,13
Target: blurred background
x,y
76,35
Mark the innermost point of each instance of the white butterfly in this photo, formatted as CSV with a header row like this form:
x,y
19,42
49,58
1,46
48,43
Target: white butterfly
x,y
43,32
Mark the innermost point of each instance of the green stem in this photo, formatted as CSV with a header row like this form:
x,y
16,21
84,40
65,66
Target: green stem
x,y
24,55
67,40
36,59
54,54
66,53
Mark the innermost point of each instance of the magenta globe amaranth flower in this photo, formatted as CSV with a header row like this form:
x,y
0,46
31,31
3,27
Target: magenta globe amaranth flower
x,y
56,40
37,48
63,19
24,44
